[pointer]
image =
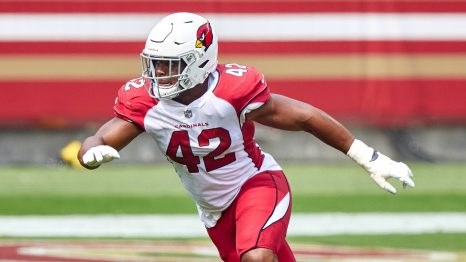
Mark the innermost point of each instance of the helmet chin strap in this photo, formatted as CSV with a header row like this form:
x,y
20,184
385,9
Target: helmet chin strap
x,y
175,90
158,92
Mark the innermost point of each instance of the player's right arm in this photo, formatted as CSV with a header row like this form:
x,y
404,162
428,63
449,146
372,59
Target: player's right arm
x,y
107,141
130,108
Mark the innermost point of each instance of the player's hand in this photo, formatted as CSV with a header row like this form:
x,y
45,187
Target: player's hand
x,y
380,167
98,155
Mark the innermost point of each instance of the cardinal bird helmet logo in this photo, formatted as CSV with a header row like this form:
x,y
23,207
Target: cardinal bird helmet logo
x,y
204,36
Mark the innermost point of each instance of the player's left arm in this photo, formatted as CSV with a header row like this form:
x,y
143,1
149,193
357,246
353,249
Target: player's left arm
x,y
289,114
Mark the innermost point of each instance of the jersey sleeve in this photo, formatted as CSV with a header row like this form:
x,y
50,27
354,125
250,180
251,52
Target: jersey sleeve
x,y
133,102
246,91
258,94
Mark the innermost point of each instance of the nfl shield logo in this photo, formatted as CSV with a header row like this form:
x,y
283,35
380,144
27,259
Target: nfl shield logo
x,y
188,113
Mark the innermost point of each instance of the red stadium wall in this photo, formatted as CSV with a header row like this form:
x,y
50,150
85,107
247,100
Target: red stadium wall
x,y
386,77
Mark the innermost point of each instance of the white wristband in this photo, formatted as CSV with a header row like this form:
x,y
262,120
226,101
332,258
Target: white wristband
x,y
360,152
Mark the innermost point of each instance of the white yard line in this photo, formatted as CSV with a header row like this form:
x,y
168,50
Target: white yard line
x,y
190,225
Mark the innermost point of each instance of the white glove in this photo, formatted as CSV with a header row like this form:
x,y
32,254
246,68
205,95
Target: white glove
x,y
98,155
380,167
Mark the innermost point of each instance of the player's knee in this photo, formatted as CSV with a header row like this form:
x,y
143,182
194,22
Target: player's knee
x,y
259,255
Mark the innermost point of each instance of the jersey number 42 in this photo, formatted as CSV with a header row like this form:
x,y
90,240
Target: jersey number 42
x,y
180,141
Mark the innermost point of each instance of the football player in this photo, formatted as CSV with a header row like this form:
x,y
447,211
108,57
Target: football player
x,y
201,115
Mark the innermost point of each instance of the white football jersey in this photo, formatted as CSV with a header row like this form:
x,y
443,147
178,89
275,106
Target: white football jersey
x,y
209,142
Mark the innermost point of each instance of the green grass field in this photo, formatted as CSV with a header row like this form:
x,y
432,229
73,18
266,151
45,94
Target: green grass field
x,y
149,189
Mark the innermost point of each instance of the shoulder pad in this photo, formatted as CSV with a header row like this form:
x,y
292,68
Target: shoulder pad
x,y
241,86
133,101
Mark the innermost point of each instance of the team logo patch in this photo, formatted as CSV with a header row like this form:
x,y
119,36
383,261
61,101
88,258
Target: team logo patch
x,y
188,113
204,36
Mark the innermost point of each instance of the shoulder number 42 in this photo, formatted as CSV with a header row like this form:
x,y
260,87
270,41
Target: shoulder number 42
x,y
235,69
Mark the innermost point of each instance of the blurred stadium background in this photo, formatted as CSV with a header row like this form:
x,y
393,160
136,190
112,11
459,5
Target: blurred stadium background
x,y
393,71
